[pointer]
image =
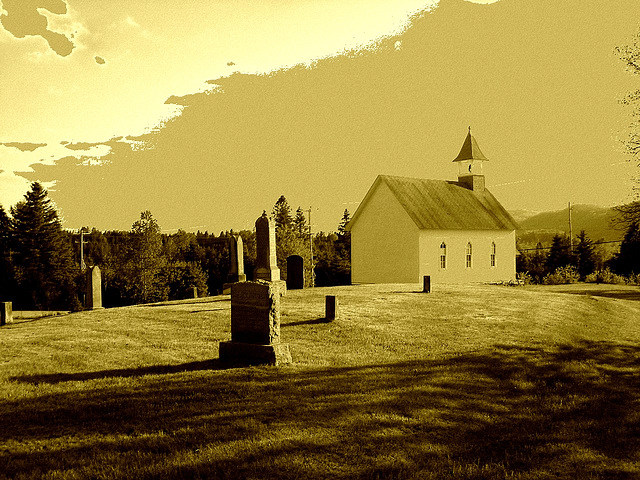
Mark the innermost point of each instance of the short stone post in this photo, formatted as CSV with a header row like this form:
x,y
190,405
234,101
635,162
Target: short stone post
x,y
93,298
255,326
195,292
6,313
295,272
330,308
426,284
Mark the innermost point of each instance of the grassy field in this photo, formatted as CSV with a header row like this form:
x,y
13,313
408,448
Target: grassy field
x,y
465,382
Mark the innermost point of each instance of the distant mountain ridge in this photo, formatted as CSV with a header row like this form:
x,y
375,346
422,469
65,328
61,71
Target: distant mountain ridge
x,y
541,227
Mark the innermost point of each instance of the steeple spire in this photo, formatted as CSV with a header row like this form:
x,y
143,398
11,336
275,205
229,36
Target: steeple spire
x,y
470,161
470,150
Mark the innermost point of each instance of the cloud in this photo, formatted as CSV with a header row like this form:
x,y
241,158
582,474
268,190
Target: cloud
x,y
24,146
23,19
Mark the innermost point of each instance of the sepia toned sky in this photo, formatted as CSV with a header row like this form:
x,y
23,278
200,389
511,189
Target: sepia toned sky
x,y
206,112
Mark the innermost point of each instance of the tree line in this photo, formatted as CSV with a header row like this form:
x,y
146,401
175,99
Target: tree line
x,y
40,261
581,260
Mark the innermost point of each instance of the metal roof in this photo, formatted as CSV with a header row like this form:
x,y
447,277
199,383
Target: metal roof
x,y
444,205
470,150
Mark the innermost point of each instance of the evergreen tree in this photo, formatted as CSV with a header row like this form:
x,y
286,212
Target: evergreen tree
x,y
7,283
628,260
300,222
585,254
282,214
342,227
560,253
43,258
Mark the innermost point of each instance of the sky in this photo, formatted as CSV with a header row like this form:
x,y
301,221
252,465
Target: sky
x,y
206,112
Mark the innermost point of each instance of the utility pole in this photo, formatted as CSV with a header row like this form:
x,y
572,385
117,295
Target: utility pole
x,y
83,267
312,280
570,231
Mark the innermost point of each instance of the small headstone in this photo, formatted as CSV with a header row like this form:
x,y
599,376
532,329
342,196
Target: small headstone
x,y
93,297
255,326
295,272
330,308
266,260
426,284
6,313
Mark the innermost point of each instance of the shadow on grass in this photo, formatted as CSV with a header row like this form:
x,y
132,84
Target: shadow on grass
x,y
315,321
54,378
621,294
509,412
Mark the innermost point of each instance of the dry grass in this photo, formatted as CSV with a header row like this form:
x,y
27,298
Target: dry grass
x,y
480,382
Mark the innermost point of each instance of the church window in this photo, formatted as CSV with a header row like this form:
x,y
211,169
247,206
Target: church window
x,y
443,255
468,252
493,254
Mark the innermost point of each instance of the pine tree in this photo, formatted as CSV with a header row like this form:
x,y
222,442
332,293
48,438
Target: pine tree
x,y
585,254
7,283
43,258
560,253
300,223
628,260
342,227
282,214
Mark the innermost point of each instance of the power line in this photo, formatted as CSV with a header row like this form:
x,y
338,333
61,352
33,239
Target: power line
x,y
549,248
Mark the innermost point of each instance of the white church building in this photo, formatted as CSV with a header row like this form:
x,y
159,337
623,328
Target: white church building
x,y
455,232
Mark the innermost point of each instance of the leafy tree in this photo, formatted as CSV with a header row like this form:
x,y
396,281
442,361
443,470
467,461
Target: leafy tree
x,y
533,262
630,55
145,260
585,255
43,258
626,215
560,253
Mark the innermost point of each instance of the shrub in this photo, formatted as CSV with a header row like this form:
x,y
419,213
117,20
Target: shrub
x,y
523,278
562,275
605,276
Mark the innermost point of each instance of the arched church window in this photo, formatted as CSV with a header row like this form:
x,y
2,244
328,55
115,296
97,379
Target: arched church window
x,y
443,255
493,254
468,252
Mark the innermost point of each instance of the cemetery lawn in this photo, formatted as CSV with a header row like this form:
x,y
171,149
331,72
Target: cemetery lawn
x,y
481,382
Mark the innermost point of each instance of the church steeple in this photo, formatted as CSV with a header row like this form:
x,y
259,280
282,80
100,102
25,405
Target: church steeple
x,y
469,162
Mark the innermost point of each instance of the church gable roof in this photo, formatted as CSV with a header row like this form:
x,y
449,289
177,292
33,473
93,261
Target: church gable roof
x,y
444,205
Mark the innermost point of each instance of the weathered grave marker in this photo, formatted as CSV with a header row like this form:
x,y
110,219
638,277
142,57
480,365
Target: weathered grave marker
x,y
236,263
255,326
6,313
330,308
295,272
93,296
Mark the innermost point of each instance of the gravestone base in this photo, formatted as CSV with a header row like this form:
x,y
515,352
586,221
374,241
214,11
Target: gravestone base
x,y
245,354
